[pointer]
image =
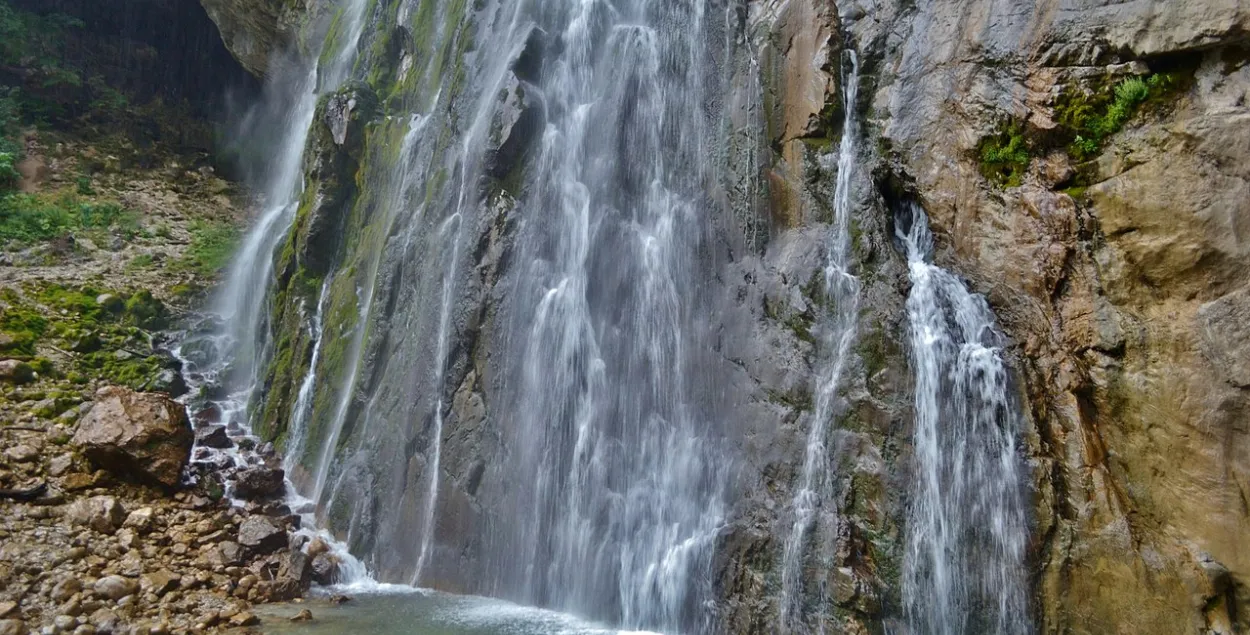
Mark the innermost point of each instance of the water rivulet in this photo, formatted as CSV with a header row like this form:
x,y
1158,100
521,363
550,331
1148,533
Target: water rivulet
x,y
964,568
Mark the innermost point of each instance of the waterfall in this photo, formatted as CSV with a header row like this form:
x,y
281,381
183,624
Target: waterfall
x,y
964,565
303,399
244,296
626,497
842,292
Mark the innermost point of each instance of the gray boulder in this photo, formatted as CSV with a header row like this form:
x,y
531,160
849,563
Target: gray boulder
x,y
259,535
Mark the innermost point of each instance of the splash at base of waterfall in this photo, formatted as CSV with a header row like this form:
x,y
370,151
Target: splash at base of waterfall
x,y
404,611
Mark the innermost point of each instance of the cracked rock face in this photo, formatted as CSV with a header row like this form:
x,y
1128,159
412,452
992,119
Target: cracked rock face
x,y
1118,277
144,436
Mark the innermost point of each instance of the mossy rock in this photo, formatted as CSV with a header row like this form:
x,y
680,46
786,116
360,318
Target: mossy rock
x,y
146,311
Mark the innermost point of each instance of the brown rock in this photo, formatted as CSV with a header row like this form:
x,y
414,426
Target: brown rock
x,y
159,582
304,615
137,435
12,627
257,483
101,513
244,618
115,587
65,589
213,437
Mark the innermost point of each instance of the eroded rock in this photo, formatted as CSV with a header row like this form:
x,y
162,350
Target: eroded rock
x,y
101,513
136,435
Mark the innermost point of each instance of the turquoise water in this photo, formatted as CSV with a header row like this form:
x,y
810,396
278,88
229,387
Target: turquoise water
x,y
410,612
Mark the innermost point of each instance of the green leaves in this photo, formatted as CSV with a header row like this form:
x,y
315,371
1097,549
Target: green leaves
x,y
1094,116
1005,156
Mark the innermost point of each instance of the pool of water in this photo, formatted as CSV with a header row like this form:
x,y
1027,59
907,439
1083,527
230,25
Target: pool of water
x,y
411,612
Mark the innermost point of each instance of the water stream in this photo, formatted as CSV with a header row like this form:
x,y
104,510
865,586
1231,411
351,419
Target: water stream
x,y
964,566
842,292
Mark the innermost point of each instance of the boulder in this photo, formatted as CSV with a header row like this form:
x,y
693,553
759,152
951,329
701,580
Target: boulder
x,y
138,435
325,569
213,437
65,589
256,483
115,587
140,519
101,513
231,553
21,453
16,372
12,627
260,535
169,381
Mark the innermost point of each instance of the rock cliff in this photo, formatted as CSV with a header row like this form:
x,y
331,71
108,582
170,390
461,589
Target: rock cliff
x,y
1084,165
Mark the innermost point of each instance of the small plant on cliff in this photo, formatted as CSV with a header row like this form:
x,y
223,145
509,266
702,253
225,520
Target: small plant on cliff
x,y
1005,156
1093,116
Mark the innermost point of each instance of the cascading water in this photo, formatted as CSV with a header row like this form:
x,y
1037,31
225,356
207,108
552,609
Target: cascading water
x,y
624,490
842,292
964,566
240,343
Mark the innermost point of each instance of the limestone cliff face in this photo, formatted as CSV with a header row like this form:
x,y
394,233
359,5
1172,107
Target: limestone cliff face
x,y
1112,255
259,32
1117,269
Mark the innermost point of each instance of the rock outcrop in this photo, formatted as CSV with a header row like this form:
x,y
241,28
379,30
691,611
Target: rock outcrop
x,y
136,435
259,32
1115,265
1109,244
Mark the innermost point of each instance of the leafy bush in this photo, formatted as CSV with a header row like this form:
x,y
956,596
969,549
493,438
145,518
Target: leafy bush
x,y
36,42
1005,156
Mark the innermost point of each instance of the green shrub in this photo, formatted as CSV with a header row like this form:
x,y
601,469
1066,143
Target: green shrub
x,y
8,171
29,218
1093,116
1005,156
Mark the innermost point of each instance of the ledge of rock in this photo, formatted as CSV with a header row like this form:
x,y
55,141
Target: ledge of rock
x,y
139,436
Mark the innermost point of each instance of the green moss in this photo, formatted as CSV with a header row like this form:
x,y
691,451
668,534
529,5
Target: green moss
x,y
140,262
1005,155
146,311
1091,114
23,326
212,245
873,349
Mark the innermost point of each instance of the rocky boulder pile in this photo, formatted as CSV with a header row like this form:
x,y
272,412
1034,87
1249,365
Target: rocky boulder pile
x,y
114,540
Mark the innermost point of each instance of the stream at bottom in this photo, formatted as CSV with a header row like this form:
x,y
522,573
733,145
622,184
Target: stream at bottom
x,y
414,612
